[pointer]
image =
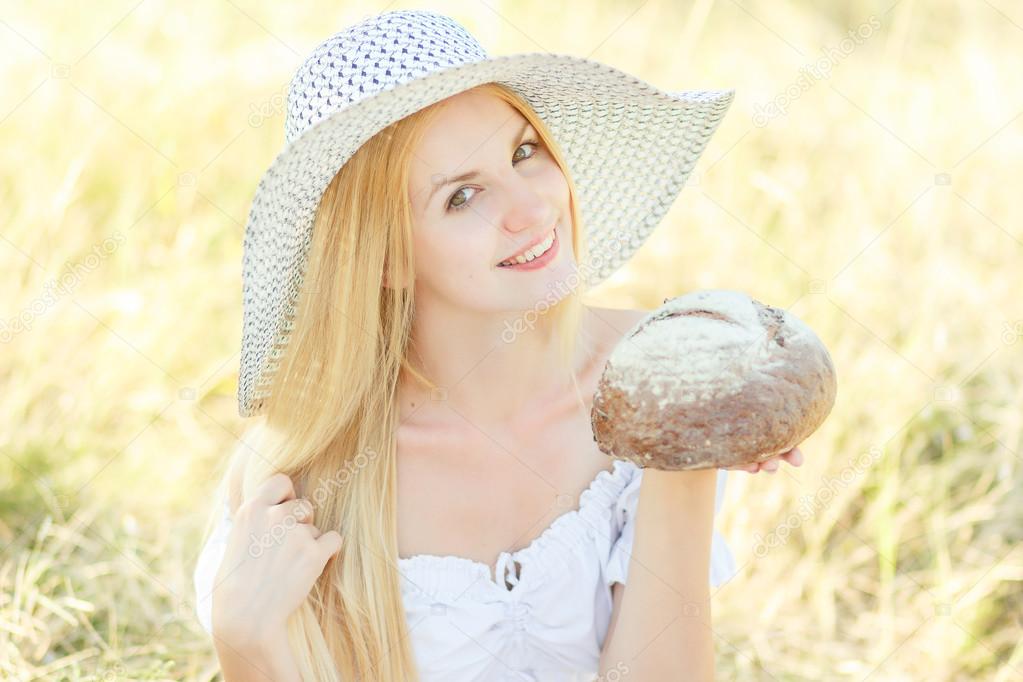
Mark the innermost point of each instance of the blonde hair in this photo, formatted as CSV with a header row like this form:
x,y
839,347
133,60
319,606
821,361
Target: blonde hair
x,y
331,418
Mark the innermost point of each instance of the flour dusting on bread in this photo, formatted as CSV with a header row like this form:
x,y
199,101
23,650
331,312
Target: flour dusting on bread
x,y
709,378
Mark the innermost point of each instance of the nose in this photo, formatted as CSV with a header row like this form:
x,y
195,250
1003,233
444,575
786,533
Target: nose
x,y
526,209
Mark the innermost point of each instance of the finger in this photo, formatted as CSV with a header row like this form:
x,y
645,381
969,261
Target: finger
x,y
770,465
276,489
794,456
330,543
300,509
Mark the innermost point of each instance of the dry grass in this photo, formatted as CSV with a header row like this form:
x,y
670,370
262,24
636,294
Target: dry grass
x,y
881,206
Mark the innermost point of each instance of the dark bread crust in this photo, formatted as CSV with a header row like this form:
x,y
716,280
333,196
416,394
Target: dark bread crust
x,y
712,379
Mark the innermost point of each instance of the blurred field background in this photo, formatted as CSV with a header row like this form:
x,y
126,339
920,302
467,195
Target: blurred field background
x,y
867,178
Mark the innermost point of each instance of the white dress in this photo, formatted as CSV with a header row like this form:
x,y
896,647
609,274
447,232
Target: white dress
x,y
550,625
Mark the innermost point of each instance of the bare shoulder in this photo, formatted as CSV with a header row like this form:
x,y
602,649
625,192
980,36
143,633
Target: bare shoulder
x,y
609,325
606,327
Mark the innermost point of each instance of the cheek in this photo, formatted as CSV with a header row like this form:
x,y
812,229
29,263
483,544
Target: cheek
x,y
453,256
555,179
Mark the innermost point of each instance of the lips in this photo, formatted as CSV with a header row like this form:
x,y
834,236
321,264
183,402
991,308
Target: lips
x,y
540,262
527,247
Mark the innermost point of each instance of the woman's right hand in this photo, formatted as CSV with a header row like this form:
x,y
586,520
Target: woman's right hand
x,y
273,557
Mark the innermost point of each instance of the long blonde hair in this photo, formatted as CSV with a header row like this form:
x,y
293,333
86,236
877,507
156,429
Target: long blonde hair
x,y
331,418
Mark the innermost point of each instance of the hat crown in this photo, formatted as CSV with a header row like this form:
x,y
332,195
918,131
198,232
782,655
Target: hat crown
x,y
372,56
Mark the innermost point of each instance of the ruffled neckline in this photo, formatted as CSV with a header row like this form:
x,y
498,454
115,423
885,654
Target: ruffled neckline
x,y
605,487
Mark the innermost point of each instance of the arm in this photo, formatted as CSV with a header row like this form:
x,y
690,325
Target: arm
x,y
662,627
269,662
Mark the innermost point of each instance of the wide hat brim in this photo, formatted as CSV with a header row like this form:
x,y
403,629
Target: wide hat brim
x,y
629,147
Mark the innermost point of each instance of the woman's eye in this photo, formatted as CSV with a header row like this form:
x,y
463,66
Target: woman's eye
x,y
465,202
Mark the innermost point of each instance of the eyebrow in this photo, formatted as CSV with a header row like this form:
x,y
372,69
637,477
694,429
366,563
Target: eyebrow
x,y
469,175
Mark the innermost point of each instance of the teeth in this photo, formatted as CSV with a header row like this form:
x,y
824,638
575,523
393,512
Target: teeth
x,y
534,252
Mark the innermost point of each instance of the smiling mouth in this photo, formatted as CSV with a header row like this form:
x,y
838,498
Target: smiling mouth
x,y
533,253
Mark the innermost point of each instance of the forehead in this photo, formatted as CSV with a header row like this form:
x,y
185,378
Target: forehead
x,y
466,123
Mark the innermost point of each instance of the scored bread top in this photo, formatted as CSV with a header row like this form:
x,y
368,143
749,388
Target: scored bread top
x,y
712,378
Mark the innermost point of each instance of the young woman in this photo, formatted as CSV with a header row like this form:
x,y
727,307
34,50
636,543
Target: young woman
x,y
422,497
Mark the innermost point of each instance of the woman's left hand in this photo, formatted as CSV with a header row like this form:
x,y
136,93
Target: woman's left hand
x,y
793,457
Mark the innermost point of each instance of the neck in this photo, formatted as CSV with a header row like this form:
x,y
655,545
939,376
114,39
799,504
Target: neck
x,y
491,371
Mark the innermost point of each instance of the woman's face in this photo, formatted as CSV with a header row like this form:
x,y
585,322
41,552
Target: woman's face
x,y
465,226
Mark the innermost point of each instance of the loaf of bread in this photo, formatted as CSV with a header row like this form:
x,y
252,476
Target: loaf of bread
x,y
712,379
